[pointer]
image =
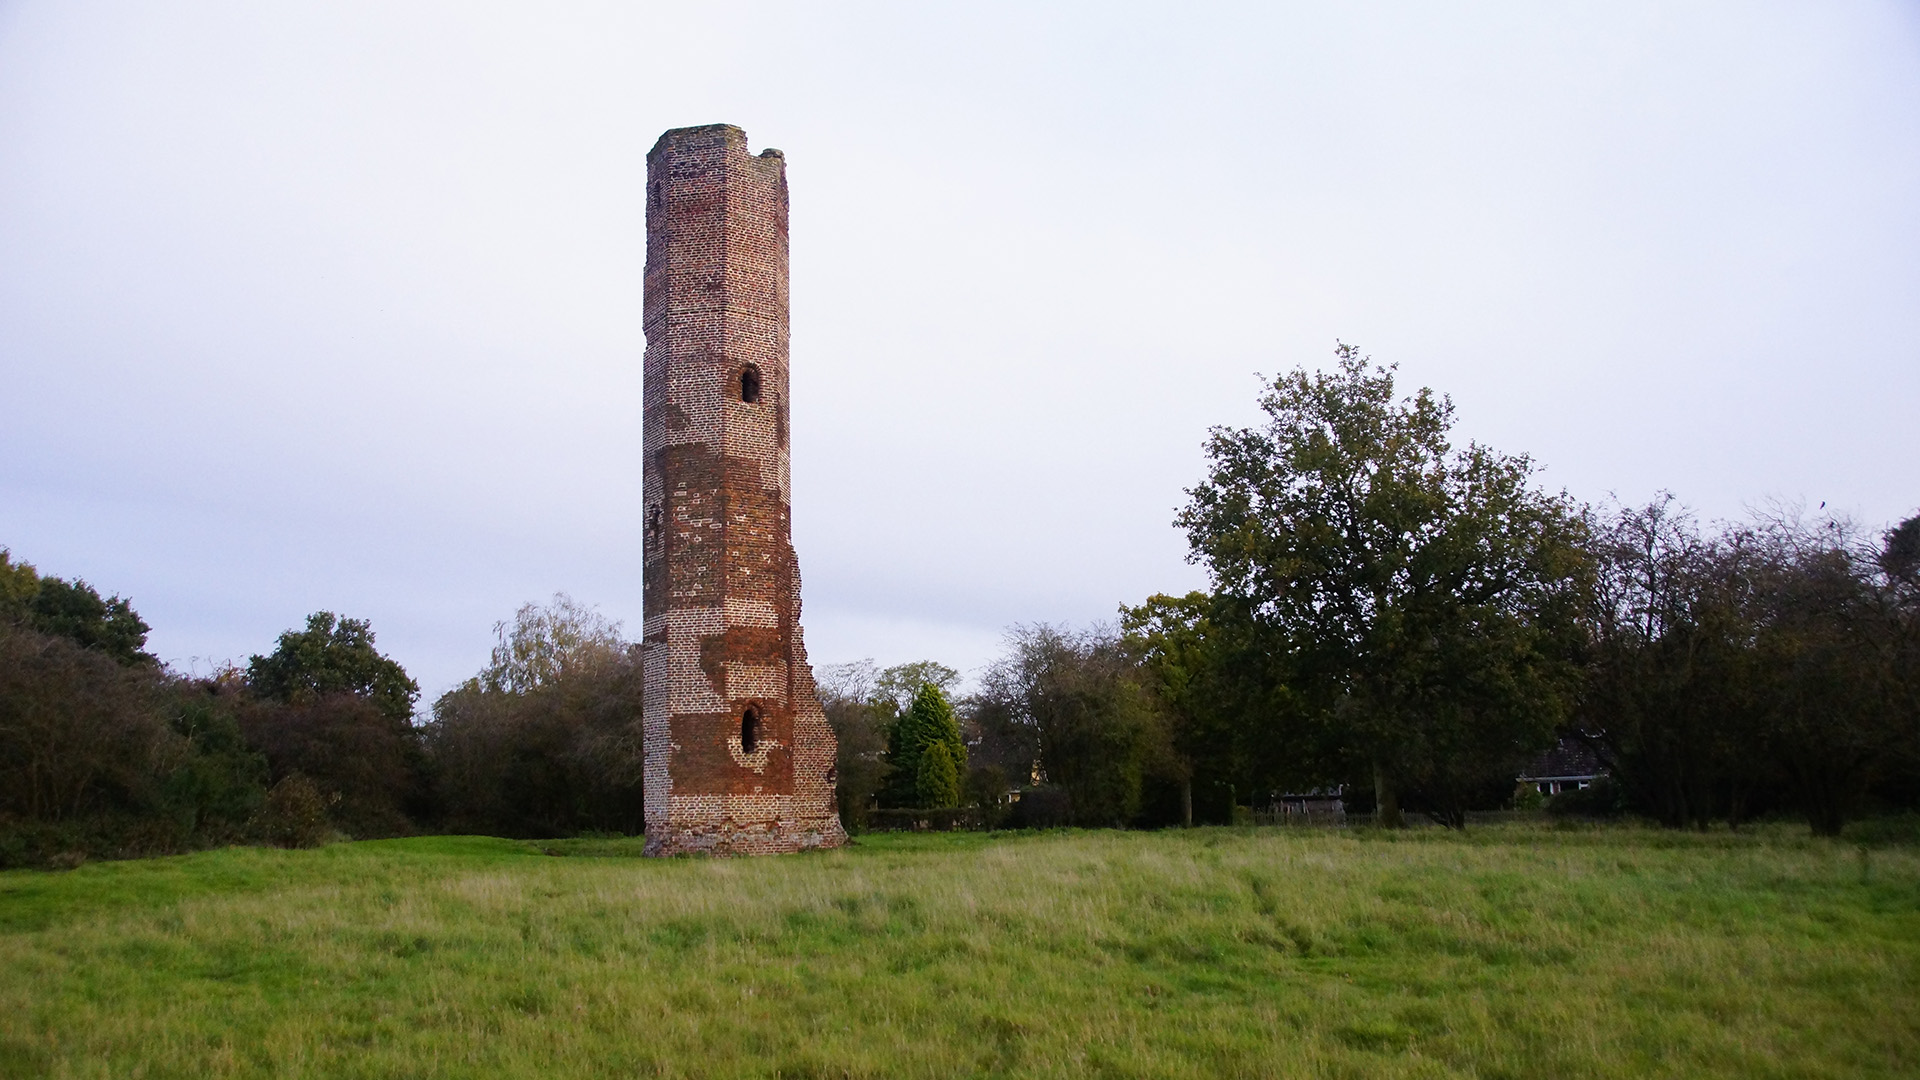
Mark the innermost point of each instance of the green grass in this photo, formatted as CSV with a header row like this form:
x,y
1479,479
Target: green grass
x,y
1516,951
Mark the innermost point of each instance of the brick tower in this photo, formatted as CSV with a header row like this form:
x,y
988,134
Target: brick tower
x,y
739,757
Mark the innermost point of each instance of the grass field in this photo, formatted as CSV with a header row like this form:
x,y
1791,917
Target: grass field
x,y
1516,951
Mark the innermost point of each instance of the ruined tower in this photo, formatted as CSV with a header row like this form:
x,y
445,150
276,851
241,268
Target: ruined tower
x,y
739,757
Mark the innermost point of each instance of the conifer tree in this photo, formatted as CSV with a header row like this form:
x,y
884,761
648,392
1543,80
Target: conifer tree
x,y
938,784
926,723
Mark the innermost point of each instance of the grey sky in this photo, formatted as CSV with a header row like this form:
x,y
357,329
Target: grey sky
x,y
337,305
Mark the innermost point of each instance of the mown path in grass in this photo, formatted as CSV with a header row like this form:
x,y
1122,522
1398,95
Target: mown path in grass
x,y
1512,951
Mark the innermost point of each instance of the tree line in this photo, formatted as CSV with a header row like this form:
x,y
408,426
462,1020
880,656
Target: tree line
x,y
104,752
1407,622
1393,617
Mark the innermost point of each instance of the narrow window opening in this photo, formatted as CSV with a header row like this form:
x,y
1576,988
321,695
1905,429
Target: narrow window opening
x,y
749,731
750,385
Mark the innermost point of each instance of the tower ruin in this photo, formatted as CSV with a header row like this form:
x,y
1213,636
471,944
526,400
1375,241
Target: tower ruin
x,y
739,757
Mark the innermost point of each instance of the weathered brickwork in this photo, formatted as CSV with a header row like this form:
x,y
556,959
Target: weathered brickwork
x,y
739,757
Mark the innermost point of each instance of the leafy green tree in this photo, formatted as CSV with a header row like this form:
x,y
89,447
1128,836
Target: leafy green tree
x,y
79,733
333,656
900,684
544,644
1833,711
928,722
1232,725
366,764
1420,600
218,787
18,582
1757,666
545,740
331,708
866,708
1899,555
1899,560
860,727
72,610
1668,700
1096,730
126,759
1181,652
986,787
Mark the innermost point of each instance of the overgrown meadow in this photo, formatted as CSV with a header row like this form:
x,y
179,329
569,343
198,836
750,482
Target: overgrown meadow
x,y
1515,950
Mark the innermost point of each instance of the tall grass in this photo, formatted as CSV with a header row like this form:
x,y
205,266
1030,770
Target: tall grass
x,y
1513,951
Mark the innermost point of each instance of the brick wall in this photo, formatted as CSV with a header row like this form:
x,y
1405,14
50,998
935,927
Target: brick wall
x,y
722,587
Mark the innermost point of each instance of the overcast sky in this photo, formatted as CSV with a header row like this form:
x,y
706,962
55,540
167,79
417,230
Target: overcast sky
x,y
337,305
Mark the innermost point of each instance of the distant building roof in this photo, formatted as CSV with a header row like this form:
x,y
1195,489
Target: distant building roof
x,y
1571,759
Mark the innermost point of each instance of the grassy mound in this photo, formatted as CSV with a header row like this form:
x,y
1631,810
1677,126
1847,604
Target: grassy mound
x,y
1512,951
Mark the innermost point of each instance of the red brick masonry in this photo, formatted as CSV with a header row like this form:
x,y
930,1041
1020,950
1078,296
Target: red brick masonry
x,y
722,629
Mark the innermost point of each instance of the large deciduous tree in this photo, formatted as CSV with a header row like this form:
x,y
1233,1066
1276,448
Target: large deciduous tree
x,y
897,686
546,740
1832,707
1187,655
544,644
1669,701
72,610
332,709
1751,667
860,724
78,732
1420,599
1077,701
332,656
